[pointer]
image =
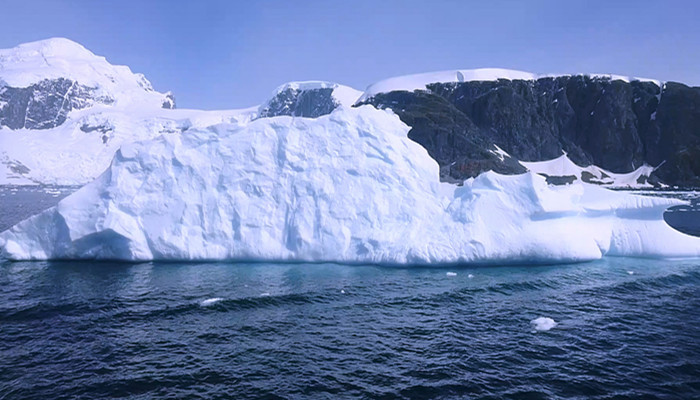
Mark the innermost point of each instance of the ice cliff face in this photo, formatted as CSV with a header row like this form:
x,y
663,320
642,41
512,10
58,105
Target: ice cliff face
x,y
349,187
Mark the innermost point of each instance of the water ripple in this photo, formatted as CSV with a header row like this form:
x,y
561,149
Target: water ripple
x,y
122,331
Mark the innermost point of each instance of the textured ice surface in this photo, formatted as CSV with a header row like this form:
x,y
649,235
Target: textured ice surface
x,y
346,187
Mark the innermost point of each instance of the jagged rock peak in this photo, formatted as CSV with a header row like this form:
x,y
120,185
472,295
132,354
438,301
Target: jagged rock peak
x,y
308,99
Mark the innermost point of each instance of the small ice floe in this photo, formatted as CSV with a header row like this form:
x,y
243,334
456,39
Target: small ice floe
x,y
451,274
266,294
630,272
211,301
543,323
470,276
342,291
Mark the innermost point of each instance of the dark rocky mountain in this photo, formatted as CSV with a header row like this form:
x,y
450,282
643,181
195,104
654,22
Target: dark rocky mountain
x,y
45,104
296,102
614,124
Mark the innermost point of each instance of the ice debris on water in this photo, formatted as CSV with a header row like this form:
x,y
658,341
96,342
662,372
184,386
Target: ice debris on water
x,y
543,324
451,274
211,301
630,272
470,276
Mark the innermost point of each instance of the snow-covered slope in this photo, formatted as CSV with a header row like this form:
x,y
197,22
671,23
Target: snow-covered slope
x,y
81,109
563,167
348,187
419,81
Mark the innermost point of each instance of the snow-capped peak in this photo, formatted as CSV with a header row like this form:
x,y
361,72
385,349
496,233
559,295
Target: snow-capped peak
x,y
57,58
344,95
53,47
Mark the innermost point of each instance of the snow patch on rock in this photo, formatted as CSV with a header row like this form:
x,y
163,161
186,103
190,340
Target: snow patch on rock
x,y
562,166
420,81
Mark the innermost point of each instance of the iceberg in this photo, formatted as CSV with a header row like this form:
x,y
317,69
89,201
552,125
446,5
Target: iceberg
x,y
346,187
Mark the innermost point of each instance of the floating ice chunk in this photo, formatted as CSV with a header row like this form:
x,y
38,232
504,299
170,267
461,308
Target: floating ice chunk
x,y
342,291
470,276
266,294
211,301
630,272
451,274
543,323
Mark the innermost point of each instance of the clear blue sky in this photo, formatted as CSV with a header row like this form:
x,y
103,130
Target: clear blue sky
x,y
231,54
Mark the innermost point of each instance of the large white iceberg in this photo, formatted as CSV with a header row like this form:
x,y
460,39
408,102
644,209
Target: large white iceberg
x,y
346,187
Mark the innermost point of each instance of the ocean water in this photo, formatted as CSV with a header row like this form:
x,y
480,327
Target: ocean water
x,y
618,328
625,329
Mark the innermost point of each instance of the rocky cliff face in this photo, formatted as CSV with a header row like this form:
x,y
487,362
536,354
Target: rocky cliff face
x,y
46,104
310,99
311,103
614,124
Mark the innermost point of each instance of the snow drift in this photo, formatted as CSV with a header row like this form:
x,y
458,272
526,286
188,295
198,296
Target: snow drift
x,y
347,187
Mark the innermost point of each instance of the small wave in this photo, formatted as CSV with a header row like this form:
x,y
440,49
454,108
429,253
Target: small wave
x,y
211,301
543,324
451,274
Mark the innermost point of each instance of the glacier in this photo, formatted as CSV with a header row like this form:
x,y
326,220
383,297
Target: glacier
x,y
346,187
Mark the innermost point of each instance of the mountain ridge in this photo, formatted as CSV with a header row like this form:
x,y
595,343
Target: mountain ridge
x,y
470,121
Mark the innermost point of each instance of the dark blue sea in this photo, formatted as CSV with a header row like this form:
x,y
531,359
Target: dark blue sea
x,y
625,329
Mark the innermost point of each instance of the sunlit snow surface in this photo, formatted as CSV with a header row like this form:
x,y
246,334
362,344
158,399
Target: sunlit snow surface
x,y
77,151
347,187
419,81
